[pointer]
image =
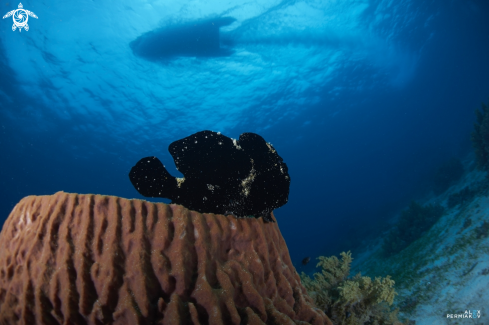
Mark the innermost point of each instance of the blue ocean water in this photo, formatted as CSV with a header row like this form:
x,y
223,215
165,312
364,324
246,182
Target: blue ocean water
x,y
363,99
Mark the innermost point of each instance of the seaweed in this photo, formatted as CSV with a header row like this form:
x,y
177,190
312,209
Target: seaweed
x,y
483,230
413,223
467,224
461,197
471,268
409,304
480,137
447,174
351,300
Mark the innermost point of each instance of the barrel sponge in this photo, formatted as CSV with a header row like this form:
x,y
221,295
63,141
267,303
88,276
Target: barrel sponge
x,y
93,259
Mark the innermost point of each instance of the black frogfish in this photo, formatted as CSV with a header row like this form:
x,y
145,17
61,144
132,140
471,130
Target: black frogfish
x,y
244,177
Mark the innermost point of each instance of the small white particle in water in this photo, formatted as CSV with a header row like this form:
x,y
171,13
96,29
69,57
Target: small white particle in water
x,y
195,141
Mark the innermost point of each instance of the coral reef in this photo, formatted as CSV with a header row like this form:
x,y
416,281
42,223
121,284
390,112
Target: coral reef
x,y
351,300
447,174
470,269
409,304
483,230
467,224
480,137
413,223
461,197
92,259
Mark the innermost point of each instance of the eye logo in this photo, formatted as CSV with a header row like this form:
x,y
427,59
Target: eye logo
x,y
20,17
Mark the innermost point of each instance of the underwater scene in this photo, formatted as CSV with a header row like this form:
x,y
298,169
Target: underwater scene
x,y
258,162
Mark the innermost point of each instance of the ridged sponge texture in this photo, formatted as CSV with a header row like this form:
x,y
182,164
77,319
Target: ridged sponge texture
x,y
93,259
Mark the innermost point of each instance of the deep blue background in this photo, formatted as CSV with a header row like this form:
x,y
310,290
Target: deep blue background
x,y
361,150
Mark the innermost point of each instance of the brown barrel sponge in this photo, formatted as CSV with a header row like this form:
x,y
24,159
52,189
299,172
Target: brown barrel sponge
x,y
93,259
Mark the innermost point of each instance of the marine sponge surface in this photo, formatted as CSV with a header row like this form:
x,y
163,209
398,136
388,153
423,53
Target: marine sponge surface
x,y
92,259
